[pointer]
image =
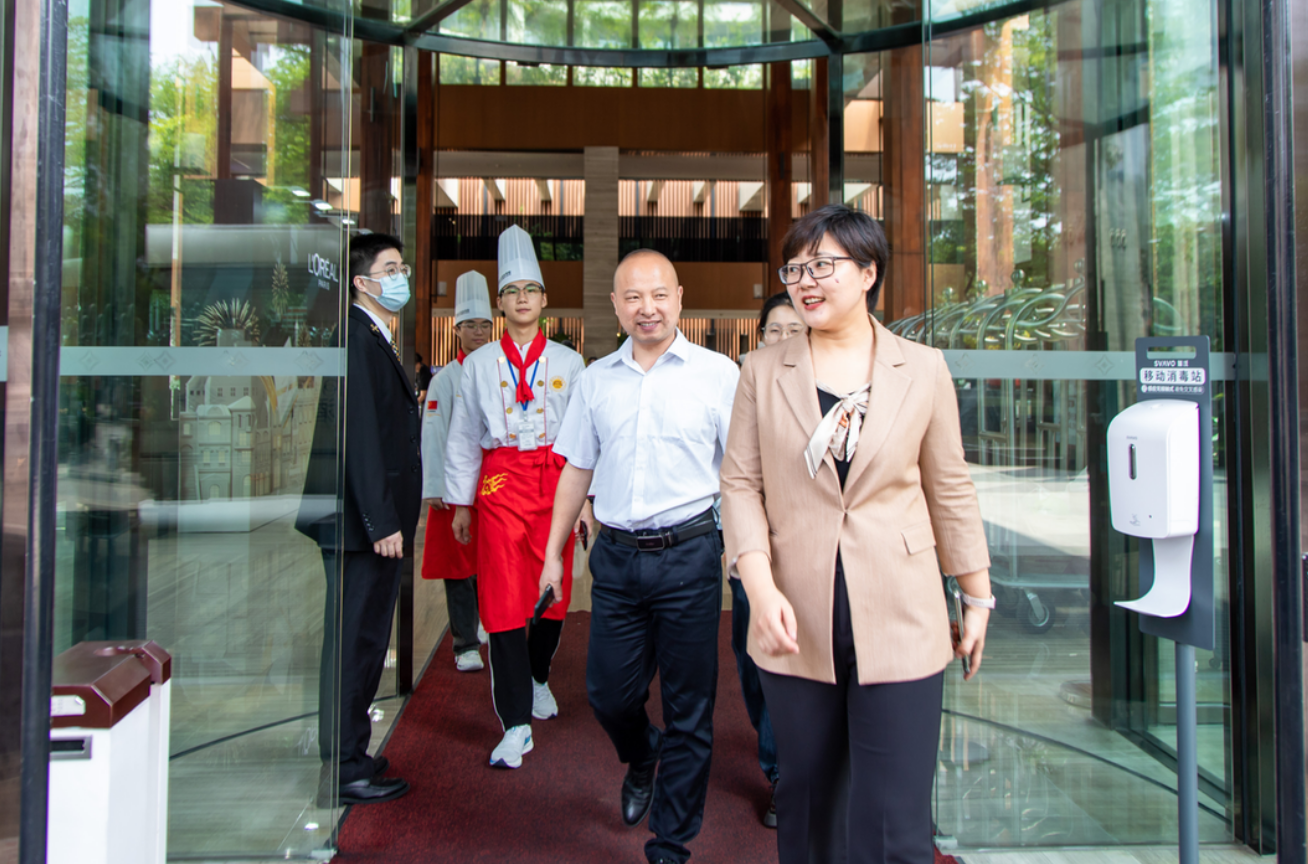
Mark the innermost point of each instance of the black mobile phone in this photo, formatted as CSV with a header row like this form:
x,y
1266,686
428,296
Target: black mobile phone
x,y
958,615
584,534
546,601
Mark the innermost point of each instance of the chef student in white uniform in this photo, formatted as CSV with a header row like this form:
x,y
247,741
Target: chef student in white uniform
x,y
500,456
442,557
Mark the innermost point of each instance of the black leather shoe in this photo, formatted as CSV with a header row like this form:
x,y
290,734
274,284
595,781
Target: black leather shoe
x,y
373,791
638,787
770,817
380,765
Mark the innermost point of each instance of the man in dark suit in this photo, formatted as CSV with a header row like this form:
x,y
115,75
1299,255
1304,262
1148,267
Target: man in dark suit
x,y
366,524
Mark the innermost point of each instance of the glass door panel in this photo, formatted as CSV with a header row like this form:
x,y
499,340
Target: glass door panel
x,y
1060,224
203,245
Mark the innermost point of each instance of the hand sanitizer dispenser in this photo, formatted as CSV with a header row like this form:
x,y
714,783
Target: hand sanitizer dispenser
x,y
1153,491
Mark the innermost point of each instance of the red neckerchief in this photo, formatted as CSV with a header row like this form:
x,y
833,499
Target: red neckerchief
x,y
461,356
524,394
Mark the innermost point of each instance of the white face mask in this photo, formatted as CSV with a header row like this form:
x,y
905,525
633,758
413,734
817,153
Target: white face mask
x,y
395,291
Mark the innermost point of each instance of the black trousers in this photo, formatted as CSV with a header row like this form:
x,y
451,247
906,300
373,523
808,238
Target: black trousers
x,y
659,611
461,601
356,635
856,762
517,657
750,686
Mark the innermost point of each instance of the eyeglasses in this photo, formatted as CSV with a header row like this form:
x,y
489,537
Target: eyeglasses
x,y
477,326
394,270
785,330
530,291
818,268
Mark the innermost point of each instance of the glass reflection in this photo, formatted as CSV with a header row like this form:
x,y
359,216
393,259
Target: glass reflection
x,y
537,22
204,204
1041,177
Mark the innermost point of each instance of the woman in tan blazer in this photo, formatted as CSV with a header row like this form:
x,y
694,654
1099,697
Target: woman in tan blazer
x,y
844,496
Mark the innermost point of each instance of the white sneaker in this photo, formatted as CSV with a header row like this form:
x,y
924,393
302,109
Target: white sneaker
x,y
543,706
469,661
482,636
509,753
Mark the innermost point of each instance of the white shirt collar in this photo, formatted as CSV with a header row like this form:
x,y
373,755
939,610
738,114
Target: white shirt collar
x,y
384,326
680,348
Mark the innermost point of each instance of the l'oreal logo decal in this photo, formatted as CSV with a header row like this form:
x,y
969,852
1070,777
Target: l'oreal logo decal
x,y
322,268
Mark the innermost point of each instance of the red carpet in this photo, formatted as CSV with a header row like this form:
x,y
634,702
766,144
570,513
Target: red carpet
x,y
562,804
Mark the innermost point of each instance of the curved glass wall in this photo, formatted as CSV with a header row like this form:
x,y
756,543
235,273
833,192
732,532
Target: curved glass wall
x,y
207,204
1070,204
1049,183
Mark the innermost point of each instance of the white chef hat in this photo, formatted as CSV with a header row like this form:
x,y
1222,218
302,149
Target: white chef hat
x,y
518,258
471,298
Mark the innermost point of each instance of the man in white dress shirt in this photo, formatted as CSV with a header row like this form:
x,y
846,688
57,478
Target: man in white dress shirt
x,y
500,455
648,425
442,557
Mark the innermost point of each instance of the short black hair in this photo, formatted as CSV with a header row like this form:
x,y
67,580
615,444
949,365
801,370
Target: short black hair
x,y
779,299
860,235
364,249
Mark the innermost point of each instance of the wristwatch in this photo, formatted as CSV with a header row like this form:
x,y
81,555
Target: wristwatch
x,y
980,603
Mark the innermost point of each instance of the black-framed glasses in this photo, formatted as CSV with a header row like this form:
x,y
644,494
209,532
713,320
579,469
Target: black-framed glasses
x,y
818,268
394,270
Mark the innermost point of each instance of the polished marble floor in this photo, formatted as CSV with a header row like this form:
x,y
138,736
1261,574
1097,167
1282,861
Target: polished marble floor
x,y
1022,764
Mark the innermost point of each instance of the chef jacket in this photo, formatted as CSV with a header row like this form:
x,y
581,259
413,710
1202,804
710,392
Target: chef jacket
x,y
436,416
486,416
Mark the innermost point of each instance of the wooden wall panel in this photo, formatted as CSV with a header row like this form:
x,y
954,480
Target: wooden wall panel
x,y
720,284
421,256
601,245
573,118
904,190
780,200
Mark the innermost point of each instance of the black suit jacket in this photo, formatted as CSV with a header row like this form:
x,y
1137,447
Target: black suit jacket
x,y
379,463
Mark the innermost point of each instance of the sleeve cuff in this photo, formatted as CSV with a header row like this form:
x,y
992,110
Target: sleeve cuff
x,y
732,573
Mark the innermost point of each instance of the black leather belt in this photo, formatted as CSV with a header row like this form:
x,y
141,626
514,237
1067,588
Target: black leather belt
x,y
658,539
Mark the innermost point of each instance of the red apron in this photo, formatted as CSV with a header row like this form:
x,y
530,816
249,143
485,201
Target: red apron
x,y
443,557
515,502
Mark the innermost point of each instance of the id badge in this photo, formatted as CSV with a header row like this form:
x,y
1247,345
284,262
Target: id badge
x,y
526,434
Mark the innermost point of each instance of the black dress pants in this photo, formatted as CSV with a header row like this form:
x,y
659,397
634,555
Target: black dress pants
x,y
356,636
461,601
856,762
659,611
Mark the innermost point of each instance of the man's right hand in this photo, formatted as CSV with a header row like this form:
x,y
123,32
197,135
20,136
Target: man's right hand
x,y
437,504
462,525
551,574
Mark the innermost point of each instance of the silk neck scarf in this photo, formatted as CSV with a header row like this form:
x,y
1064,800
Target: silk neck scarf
x,y
839,429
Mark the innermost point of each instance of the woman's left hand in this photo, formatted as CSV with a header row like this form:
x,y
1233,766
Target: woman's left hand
x,y
973,643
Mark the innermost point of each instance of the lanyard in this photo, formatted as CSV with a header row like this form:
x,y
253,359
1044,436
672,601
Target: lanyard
x,y
514,376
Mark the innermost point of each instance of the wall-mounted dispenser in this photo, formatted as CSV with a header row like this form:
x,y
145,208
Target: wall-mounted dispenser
x,y
1153,491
